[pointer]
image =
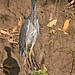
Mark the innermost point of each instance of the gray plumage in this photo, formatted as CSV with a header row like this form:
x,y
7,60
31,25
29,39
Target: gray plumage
x,y
29,31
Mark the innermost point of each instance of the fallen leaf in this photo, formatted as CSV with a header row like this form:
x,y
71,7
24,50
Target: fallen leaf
x,y
14,29
66,24
59,29
52,31
71,15
4,32
20,21
3,37
6,29
70,3
53,22
65,33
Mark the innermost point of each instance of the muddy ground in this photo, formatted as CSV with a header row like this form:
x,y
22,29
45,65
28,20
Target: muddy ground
x,y
58,55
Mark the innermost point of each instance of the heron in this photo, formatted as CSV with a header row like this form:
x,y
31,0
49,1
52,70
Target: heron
x,y
29,33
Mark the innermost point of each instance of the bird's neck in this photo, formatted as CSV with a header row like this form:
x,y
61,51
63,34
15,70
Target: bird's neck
x,y
33,10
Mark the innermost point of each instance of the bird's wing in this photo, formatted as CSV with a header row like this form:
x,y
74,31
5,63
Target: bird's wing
x,y
29,33
22,37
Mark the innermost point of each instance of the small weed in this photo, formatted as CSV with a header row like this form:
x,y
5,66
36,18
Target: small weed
x,y
40,72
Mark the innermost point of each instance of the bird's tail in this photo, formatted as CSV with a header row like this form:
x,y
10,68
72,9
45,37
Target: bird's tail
x,y
22,52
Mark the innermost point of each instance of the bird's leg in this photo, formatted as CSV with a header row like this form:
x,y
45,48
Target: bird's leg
x,y
27,61
31,52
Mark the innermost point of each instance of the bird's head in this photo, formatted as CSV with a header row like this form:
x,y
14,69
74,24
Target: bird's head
x,y
33,4
34,1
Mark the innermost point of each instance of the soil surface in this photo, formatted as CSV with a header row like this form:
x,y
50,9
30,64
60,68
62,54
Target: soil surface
x,y
58,54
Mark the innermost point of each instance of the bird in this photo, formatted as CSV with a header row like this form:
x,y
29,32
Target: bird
x,y
29,33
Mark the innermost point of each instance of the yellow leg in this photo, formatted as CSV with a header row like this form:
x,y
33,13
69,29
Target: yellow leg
x,y
31,52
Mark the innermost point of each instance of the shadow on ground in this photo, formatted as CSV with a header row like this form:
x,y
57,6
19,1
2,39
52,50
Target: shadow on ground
x,y
11,62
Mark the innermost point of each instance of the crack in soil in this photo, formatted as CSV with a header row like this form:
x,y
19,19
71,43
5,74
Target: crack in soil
x,y
11,12
8,3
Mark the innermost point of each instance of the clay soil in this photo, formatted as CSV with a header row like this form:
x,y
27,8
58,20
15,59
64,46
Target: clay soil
x,y
58,55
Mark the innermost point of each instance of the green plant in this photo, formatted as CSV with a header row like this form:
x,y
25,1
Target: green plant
x,y
40,72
